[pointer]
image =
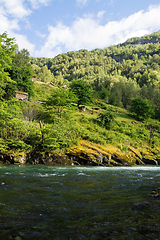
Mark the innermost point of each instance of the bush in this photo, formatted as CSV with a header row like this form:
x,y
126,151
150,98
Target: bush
x,y
106,118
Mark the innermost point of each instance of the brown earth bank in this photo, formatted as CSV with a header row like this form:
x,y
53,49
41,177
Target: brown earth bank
x,y
86,153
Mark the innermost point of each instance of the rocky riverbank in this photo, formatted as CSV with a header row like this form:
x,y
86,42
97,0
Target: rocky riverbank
x,y
86,153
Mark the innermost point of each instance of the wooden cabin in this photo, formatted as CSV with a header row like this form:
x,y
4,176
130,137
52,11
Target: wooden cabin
x,y
21,96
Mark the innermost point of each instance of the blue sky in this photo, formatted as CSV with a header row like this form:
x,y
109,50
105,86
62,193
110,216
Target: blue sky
x,y
47,28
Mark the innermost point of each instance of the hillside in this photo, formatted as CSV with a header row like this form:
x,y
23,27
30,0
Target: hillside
x,y
87,63
152,38
109,67
118,87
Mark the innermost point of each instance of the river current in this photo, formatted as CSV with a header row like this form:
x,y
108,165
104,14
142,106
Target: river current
x,y
61,203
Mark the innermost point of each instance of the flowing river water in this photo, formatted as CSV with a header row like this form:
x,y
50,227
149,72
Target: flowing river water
x,y
61,203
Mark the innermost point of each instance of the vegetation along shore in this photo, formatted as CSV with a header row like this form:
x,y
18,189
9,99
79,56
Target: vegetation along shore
x,y
99,107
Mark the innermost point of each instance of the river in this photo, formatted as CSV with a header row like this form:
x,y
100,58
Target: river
x,y
61,203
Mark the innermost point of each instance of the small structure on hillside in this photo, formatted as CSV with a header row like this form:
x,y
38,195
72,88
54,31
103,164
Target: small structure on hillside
x,y
50,83
65,87
21,96
82,108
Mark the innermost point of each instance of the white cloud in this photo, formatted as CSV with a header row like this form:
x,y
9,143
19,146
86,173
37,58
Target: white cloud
x,y
24,43
38,3
15,8
11,12
6,24
89,34
100,14
86,32
41,35
82,3
58,35
47,52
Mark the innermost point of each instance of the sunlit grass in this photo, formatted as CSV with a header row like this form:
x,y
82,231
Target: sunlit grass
x,y
66,128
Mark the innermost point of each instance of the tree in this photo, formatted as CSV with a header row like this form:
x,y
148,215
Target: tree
x,y
141,107
122,91
45,74
21,58
7,51
60,98
23,76
21,72
82,90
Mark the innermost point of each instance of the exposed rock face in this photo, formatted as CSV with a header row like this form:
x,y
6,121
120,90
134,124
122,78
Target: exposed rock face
x,y
19,158
146,41
87,153
6,158
151,157
36,157
150,161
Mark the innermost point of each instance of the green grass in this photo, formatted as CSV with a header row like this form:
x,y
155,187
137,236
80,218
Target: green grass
x,y
120,117
41,91
68,128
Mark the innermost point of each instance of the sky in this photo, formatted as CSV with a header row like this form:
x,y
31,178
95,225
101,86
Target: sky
x,y
47,28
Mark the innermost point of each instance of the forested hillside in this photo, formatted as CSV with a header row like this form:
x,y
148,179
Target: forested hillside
x,y
117,73
85,107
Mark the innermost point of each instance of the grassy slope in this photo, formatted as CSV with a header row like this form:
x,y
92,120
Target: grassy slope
x,y
75,133
73,126
126,123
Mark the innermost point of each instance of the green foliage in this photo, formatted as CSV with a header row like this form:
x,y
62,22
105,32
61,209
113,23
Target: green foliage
x,y
3,145
15,69
60,98
7,51
116,74
142,108
21,72
107,118
23,76
41,91
104,94
17,145
18,123
21,58
124,90
82,90
45,75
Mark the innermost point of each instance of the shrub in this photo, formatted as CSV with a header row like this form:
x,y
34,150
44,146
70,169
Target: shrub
x,y
106,118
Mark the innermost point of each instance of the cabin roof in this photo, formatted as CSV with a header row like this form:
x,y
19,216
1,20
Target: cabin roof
x,y
19,92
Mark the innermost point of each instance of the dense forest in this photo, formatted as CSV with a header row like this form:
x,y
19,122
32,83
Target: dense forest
x,y
105,97
117,73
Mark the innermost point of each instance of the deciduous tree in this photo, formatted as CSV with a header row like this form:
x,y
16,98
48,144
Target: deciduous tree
x,y
7,51
82,90
141,107
60,98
